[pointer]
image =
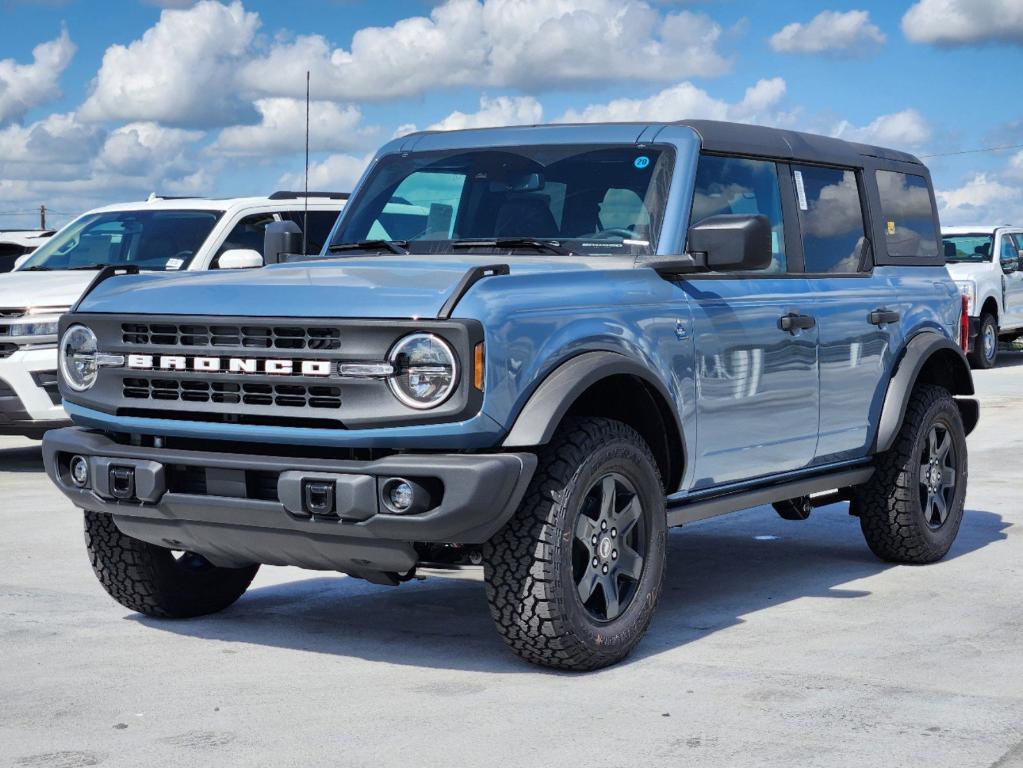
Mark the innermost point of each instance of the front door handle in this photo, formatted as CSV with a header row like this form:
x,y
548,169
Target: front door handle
x,y
883,317
793,322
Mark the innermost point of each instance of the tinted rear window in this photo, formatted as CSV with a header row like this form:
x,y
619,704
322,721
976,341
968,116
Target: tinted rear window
x,y
908,214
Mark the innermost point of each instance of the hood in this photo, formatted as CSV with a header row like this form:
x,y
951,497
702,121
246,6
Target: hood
x,y
375,287
43,289
968,270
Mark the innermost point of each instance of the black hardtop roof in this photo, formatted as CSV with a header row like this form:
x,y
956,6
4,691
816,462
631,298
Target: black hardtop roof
x,y
720,136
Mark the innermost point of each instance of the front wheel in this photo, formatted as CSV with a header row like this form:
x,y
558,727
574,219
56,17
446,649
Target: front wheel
x,y
985,348
156,581
574,577
911,509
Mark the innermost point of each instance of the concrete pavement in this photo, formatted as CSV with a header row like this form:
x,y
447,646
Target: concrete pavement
x,y
776,644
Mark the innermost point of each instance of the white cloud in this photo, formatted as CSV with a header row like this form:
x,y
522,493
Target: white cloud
x,y
148,150
526,44
24,86
504,110
907,128
337,173
964,22
180,72
686,101
982,198
282,129
849,33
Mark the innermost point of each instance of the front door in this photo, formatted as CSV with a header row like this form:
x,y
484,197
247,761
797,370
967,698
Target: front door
x,y
756,341
1012,281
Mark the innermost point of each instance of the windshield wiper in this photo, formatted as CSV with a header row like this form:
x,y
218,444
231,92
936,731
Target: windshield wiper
x,y
37,268
88,266
549,246
394,246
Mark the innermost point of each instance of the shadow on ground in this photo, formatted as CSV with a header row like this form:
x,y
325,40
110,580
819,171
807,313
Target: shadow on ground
x,y
27,459
718,572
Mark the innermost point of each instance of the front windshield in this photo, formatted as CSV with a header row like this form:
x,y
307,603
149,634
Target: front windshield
x,y
967,248
155,240
594,200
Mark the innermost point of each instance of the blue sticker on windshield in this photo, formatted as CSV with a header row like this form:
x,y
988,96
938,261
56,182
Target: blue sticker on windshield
x,y
641,162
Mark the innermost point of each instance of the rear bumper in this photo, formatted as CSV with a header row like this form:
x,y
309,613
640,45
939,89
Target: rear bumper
x,y
243,508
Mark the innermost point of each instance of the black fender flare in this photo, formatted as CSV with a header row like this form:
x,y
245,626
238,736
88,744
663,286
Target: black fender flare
x,y
918,352
547,406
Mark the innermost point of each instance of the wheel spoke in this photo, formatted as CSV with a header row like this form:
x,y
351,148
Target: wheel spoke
x,y
932,442
588,584
629,516
609,586
944,445
585,530
608,495
941,506
629,563
929,509
948,477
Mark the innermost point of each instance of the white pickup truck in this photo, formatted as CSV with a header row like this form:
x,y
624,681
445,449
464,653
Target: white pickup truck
x,y
167,234
986,262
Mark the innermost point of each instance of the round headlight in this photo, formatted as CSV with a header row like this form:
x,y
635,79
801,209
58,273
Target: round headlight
x,y
425,370
78,357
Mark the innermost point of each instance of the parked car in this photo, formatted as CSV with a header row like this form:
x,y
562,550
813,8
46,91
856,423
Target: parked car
x,y
158,235
596,333
15,243
992,286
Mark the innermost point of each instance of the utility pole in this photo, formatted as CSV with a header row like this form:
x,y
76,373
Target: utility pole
x,y
42,217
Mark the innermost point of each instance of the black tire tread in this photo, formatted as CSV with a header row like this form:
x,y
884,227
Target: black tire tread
x,y
888,504
518,561
129,571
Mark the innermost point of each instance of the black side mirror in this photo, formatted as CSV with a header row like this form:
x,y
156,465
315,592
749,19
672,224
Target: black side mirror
x,y
732,242
281,237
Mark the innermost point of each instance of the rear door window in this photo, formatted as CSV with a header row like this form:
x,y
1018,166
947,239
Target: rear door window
x,y
908,214
830,219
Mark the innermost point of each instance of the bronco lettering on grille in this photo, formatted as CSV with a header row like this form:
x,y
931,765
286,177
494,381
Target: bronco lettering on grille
x,y
257,365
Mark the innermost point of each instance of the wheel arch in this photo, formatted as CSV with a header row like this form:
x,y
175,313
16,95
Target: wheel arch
x,y
612,385
928,358
990,307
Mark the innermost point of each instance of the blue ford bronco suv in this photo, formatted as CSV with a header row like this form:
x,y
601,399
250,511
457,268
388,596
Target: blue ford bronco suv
x,y
534,349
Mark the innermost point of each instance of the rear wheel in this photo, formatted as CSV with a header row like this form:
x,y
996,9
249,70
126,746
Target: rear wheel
x,y
985,348
911,509
156,581
574,577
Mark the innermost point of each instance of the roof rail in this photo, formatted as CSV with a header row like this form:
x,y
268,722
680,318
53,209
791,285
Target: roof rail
x,y
285,194
153,196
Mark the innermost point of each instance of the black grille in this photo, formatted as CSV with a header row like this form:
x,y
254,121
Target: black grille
x,y
319,338
184,478
6,350
8,313
233,393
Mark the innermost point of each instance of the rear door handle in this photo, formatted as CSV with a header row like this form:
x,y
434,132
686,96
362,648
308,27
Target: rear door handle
x,y
793,322
883,317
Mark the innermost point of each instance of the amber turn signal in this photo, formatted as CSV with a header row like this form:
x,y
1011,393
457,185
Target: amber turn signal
x,y
478,367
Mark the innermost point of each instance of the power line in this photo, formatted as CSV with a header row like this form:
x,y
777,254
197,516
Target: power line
x,y
975,151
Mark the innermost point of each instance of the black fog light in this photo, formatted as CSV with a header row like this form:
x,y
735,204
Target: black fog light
x,y
79,468
122,483
318,497
405,497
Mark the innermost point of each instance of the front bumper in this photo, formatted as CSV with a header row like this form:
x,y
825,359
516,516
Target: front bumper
x,y
237,509
29,401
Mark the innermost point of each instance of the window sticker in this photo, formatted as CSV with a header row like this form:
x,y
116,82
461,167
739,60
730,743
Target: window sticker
x,y
641,162
174,263
800,190
891,227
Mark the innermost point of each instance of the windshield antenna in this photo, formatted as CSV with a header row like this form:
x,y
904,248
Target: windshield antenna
x,y
305,215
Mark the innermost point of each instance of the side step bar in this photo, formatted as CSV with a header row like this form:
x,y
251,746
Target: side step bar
x,y
703,508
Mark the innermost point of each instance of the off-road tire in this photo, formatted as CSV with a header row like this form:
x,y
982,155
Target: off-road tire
x,y
528,565
150,580
889,506
978,359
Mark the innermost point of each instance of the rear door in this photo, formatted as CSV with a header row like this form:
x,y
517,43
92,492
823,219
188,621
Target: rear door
x,y
857,309
757,390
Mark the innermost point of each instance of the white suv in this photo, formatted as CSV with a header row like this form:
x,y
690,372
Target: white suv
x,y
167,234
985,262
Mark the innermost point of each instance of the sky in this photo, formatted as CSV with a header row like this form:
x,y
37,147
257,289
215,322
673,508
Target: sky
x,y
105,101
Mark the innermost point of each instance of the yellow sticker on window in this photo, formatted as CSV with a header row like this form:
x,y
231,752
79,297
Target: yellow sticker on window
x,y
891,227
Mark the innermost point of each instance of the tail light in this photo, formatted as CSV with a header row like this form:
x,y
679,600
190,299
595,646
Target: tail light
x,y
964,325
